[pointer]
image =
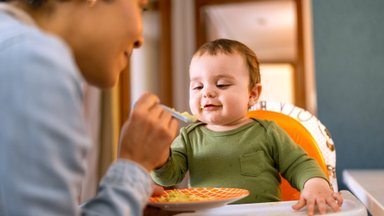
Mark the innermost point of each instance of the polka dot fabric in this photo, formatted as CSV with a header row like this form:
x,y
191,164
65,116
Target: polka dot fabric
x,y
319,132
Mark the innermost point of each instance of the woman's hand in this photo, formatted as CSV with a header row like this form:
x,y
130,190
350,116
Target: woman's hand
x,y
147,135
317,193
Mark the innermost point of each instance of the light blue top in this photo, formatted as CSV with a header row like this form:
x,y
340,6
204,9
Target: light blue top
x,y
43,141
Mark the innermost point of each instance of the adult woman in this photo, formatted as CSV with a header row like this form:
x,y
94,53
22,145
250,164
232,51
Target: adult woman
x,y
47,48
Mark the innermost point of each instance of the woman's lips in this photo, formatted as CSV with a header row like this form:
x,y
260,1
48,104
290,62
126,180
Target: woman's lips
x,y
125,59
127,55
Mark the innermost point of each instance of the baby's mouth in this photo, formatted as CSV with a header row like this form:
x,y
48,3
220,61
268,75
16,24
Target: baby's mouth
x,y
209,106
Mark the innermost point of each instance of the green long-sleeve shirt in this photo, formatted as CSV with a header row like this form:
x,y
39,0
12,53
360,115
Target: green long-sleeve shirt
x,y
250,157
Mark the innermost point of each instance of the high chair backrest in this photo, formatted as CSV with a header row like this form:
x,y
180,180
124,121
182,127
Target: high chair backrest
x,y
307,131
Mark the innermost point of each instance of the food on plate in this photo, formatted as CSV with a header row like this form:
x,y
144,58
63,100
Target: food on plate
x,y
177,196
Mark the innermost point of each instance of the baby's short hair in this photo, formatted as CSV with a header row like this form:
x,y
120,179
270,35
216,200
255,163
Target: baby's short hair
x,y
227,46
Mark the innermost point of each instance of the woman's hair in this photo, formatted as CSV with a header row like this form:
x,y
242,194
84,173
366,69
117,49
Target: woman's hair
x,y
34,4
226,46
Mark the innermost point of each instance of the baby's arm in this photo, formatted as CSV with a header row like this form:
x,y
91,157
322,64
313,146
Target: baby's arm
x,y
174,170
316,192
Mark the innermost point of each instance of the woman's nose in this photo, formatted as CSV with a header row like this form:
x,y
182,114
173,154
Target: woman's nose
x,y
138,43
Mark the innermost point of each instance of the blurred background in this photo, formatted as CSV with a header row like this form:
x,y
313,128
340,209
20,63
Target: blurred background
x,y
325,56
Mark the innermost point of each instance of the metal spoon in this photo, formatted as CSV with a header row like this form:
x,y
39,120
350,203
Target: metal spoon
x,y
187,118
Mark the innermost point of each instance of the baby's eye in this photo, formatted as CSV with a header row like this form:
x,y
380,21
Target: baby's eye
x,y
222,86
197,87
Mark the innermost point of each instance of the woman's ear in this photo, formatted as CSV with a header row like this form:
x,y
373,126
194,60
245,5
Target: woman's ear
x,y
254,95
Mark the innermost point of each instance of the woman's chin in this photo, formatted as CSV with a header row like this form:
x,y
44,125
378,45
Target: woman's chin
x,y
103,83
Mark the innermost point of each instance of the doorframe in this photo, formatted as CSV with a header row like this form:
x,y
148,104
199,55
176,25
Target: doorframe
x,y
164,8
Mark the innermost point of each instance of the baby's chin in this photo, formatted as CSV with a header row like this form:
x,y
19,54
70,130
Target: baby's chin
x,y
214,123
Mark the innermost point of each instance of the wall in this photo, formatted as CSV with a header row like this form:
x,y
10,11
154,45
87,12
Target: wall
x,y
145,61
349,63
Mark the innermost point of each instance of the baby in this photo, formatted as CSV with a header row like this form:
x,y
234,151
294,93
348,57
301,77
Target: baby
x,y
225,148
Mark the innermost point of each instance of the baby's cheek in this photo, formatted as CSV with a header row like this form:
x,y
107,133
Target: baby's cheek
x,y
194,105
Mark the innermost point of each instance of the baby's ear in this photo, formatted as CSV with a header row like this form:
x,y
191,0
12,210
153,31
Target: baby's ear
x,y
254,94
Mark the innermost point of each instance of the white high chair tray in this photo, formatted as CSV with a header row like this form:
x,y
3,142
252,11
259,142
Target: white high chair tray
x,y
351,207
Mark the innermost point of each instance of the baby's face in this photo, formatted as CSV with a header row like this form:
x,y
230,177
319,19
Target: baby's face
x,y
219,90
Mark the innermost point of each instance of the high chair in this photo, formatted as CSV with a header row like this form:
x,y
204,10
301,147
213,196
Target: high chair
x,y
307,131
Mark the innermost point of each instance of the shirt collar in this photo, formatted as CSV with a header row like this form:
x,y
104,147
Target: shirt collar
x,y
17,13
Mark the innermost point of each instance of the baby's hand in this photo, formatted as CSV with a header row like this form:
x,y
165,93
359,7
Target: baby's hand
x,y
317,192
157,189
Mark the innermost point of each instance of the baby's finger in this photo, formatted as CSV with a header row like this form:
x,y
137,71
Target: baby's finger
x,y
321,205
339,198
311,207
157,190
300,204
332,202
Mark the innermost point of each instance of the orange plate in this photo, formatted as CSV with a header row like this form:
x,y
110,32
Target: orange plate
x,y
221,196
